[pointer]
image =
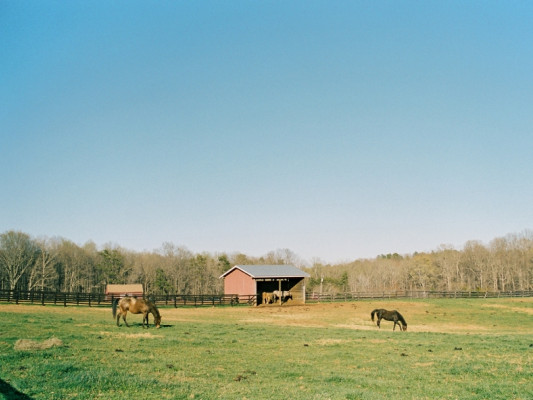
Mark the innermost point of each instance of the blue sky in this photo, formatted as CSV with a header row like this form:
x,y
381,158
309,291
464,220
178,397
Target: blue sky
x,y
337,129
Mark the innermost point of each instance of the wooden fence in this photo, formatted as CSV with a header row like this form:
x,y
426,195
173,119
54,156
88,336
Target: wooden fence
x,y
176,300
101,299
413,294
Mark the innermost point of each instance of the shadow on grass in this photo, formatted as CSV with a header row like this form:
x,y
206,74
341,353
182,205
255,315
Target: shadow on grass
x,y
10,392
140,325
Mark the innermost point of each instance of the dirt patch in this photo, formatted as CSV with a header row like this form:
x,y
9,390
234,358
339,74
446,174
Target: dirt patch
x,y
423,365
146,335
32,345
359,326
329,342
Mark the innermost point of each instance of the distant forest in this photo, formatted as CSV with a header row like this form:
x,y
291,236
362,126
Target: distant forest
x,y
57,264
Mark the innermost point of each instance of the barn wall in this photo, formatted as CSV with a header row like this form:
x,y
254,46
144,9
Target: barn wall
x,y
237,282
298,290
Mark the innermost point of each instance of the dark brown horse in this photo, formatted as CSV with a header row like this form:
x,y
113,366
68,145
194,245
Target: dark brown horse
x,y
135,306
389,316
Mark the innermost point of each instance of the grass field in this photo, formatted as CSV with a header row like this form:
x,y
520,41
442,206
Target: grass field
x,y
453,349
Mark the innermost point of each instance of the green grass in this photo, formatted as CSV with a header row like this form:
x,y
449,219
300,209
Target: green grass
x,y
454,349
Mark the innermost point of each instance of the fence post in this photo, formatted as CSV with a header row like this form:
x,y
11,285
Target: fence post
x,y
64,299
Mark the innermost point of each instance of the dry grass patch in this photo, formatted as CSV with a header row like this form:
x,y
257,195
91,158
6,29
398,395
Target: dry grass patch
x,y
30,345
329,342
144,335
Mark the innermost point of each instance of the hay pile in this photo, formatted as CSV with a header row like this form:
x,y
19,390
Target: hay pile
x,y
28,344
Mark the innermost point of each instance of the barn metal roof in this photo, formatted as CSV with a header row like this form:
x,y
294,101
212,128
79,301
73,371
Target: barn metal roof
x,y
270,271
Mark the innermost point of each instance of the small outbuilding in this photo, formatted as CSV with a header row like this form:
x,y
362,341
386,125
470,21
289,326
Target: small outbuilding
x,y
114,291
246,281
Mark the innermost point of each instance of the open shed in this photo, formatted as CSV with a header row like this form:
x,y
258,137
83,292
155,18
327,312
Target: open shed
x,y
115,291
254,280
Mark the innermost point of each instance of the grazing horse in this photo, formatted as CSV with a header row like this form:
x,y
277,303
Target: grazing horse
x,y
135,306
389,316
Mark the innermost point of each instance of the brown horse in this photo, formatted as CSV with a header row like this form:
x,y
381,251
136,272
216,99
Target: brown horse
x,y
394,316
268,298
135,306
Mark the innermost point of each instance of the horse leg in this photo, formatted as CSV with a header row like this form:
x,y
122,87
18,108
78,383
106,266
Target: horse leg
x,y
399,325
124,318
118,318
378,323
145,319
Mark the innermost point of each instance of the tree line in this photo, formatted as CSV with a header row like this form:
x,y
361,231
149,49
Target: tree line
x,y
58,264
505,264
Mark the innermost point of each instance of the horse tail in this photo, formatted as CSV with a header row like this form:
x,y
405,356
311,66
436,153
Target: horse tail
x,y
114,304
372,313
401,319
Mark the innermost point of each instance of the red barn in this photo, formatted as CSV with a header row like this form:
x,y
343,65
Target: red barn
x,y
254,280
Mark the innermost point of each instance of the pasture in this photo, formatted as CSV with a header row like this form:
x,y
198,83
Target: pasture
x,y
453,349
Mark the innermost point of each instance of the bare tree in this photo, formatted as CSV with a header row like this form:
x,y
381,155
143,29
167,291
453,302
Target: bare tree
x,y
43,272
75,267
447,261
282,256
18,253
475,260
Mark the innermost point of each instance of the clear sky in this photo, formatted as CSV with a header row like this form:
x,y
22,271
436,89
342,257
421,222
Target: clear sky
x,y
337,129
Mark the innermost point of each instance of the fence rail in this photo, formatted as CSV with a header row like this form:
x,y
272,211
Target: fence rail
x,y
413,294
175,300
100,299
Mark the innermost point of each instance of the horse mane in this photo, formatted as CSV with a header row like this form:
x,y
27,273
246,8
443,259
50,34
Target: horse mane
x,y
153,308
401,319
